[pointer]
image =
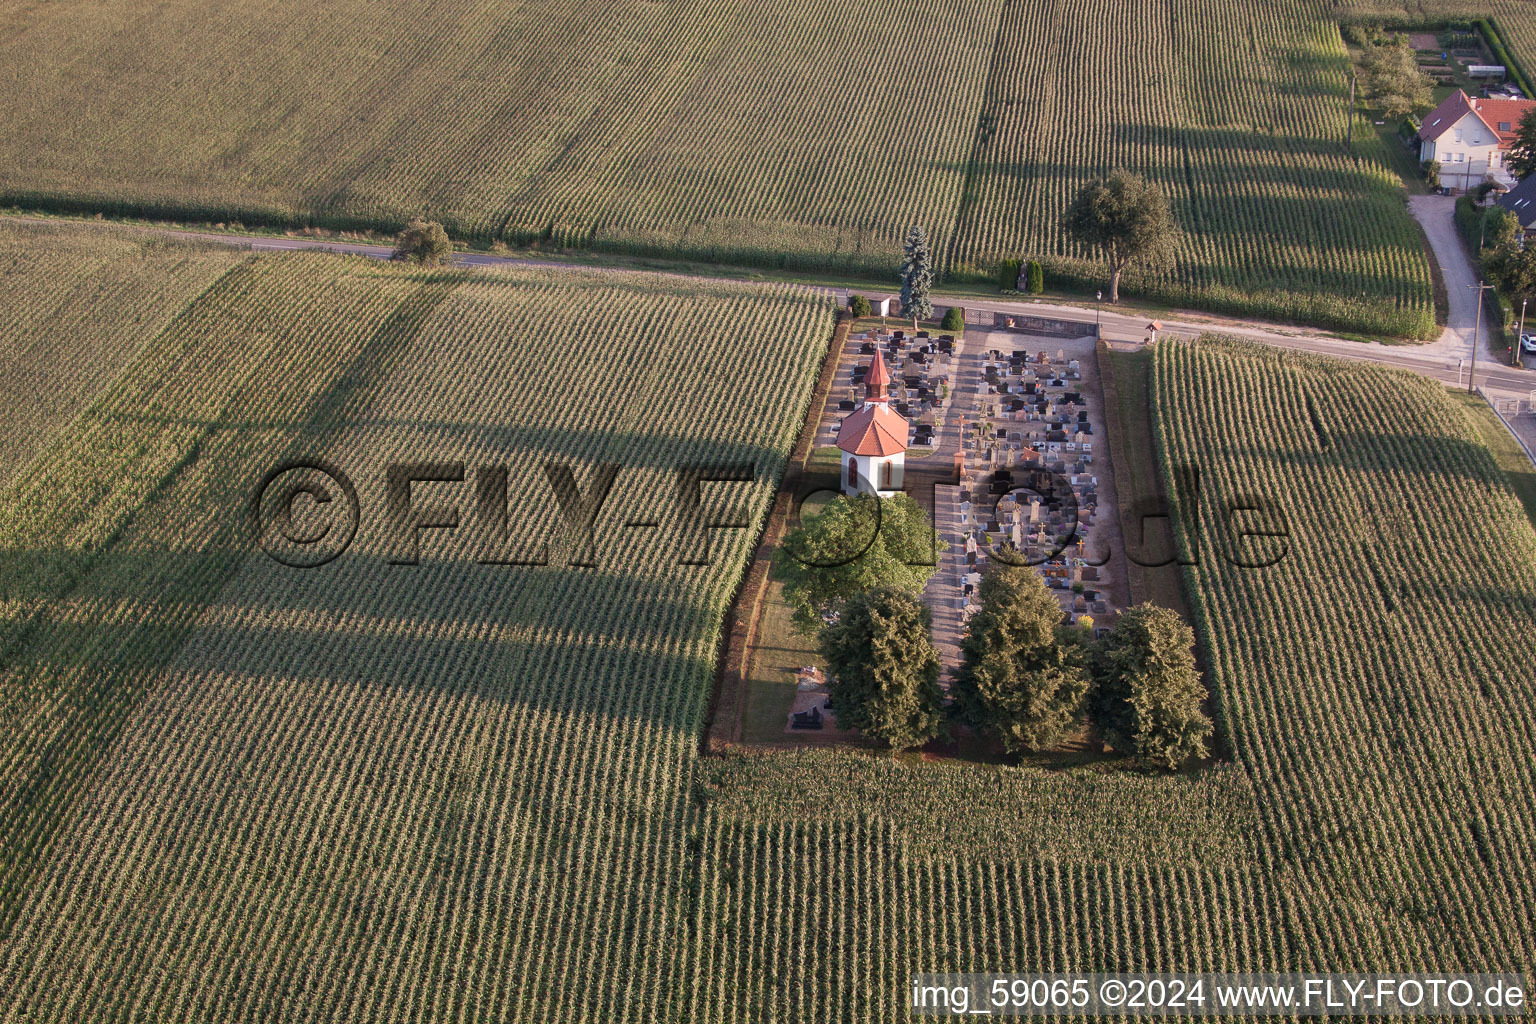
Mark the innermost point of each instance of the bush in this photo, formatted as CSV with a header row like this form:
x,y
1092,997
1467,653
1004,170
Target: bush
x,y
1008,274
1431,170
1036,277
954,319
859,305
423,241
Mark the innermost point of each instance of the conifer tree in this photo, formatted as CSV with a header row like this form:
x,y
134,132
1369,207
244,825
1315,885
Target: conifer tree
x,y
1017,681
1147,695
884,669
916,277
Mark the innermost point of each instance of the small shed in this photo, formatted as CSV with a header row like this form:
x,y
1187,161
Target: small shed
x,y
880,305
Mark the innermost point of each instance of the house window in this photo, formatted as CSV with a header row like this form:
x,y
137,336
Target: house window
x,y
885,477
853,472
1458,158
1503,126
1458,134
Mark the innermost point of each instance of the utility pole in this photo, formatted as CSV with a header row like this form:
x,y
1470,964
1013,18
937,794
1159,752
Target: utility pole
x,y
1477,334
1520,332
1349,145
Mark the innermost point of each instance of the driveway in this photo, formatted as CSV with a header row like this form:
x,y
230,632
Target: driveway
x,y
1437,215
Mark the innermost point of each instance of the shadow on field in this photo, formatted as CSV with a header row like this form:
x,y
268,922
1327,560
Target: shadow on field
x,y
447,440
1436,456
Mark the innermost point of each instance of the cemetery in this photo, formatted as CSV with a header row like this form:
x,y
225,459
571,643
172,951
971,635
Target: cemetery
x,y
1006,425
919,364
1034,480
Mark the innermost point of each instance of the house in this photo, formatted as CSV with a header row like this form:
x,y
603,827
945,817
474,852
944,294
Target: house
x,y
873,439
1521,201
1470,137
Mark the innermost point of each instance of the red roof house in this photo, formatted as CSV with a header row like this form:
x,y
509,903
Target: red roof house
x,y
1469,136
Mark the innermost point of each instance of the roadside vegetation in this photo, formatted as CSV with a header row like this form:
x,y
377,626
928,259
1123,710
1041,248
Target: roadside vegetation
x,y
423,242
607,139
1492,235
1123,219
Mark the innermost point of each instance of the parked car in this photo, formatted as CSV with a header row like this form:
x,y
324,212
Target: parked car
x,y
1528,342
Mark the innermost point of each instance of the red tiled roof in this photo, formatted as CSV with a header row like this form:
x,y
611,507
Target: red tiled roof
x,y
878,380
1492,113
875,429
1501,112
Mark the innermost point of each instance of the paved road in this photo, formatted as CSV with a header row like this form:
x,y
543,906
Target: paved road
x,y
1446,359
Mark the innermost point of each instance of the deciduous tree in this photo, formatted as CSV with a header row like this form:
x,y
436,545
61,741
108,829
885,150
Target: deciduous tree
x,y
1392,82
423,241
1500,228
1017,680
1513,269
1125,219
852,545
1522,151
884,669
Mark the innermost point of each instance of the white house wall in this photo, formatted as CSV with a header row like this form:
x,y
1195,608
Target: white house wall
x,y
1466,161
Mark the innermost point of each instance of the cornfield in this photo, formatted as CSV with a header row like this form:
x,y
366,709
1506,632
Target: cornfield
x,y
1371,683
780,133
457,791
78,307
1235,111
235,790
